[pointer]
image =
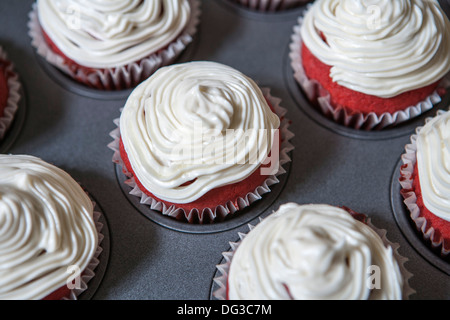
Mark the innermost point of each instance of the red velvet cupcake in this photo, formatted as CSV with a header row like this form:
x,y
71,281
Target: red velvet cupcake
x,y
372,66
313,252
211,143
9,93
424,179
50,237
114,46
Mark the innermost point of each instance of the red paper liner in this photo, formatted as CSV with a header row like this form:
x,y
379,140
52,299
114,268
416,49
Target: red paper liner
x,y
12,102
120,77
430,233
222,278
361,121
221,211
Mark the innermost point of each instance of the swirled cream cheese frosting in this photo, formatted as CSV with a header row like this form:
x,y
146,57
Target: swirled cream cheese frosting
x,y
112,33
313,252
380,47
46,226
196,126
433,161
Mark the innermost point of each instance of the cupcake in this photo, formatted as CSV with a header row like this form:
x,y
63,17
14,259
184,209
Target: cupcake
x,y
9,93
114,45
49,239
200,141
424,177
370,65
313,252
270,5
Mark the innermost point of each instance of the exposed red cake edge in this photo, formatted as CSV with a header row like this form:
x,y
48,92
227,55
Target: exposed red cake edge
x,y
356,102
4,89
214,198
441,227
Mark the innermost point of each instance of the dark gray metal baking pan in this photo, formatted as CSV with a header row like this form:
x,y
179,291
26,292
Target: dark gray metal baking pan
x,y
69,126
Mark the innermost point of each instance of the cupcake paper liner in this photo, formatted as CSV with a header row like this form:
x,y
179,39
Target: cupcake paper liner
x,y
406,181
89,272
371,121
222,278
220,212
270,5
12,104
121,77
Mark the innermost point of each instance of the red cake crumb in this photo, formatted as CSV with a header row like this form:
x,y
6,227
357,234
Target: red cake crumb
x,y
357,102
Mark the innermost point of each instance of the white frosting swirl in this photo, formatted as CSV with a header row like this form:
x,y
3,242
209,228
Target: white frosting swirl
x,y
433,161
46,225
380,47
200,122
112,33
309,252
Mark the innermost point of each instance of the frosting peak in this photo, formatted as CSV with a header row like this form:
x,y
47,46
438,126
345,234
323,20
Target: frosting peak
x,y
380,47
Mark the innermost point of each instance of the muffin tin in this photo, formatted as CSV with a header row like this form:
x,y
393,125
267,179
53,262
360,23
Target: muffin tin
x,y
148,256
